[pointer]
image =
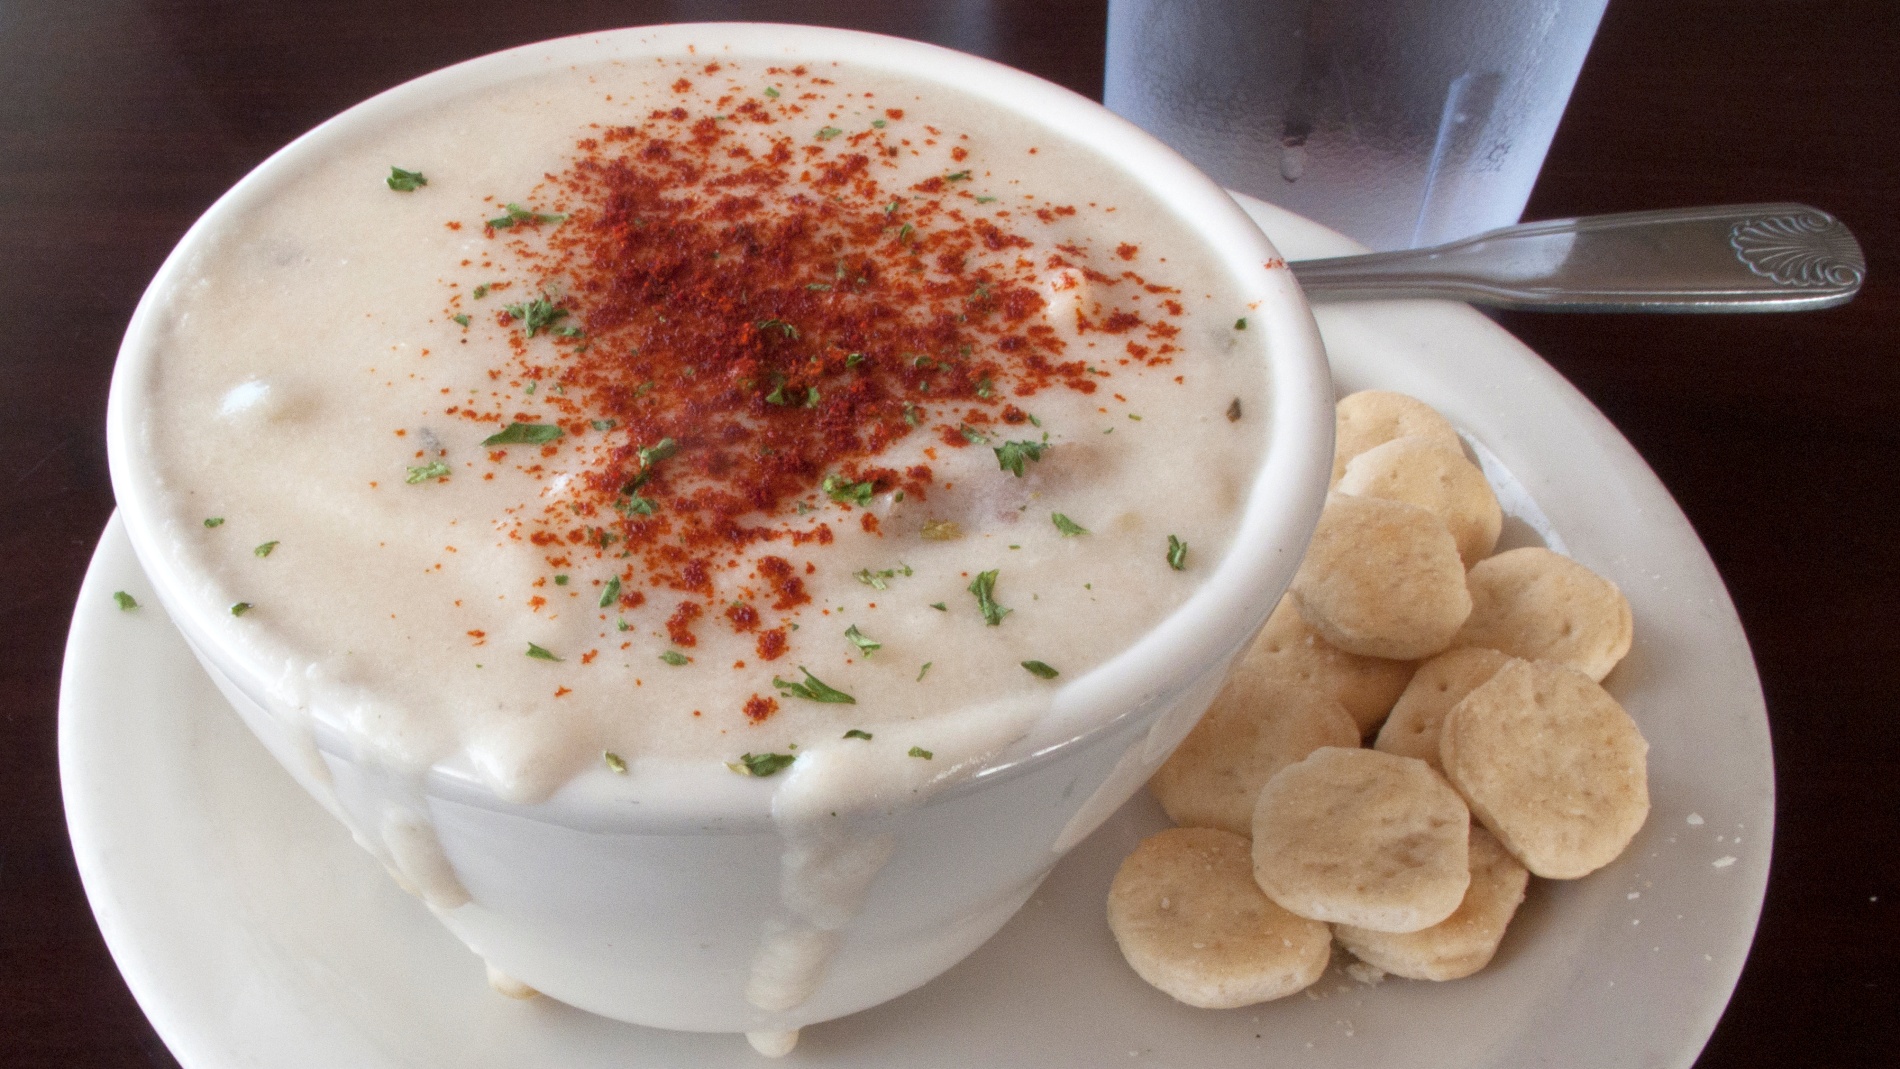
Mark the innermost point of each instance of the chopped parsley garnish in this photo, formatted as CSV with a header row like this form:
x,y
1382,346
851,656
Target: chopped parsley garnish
x,y
611,593
126,601
634,504
1177,553
434,469
940,531
560,580
603,424
1066,525
763,764
405,181
537,315
1241,323
1233,411
214,521
621,624
972,435
540,654
984,388
875,579
779,325
919,751
653,454
910,414
264,550
939,606
481,291
673,657
517,215
853,359
818,286
855,733
771,92
240,608
462,319
879,123
614,761
828,133
984,200
1040,670
813,689
861,641
524,434
1010,455
925,670
984,587
958,176
846,492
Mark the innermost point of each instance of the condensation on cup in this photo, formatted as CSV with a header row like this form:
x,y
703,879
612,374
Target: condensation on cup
x,y
1397,122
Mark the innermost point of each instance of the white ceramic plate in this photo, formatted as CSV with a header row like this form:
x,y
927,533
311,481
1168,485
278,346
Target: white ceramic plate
x,y
253,932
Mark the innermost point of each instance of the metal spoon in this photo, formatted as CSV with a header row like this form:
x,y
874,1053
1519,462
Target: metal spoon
x,y
1741,258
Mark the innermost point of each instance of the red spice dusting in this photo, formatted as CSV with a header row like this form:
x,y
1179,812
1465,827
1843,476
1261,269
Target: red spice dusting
x,y
771,644
748,312
588,657
679,627
480,637
562,692
757,708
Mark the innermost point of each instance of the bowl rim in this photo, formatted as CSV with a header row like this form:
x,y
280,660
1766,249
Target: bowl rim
x,y
1199,636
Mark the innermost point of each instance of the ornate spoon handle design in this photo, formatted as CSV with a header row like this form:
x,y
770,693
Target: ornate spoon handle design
x,y
1742,258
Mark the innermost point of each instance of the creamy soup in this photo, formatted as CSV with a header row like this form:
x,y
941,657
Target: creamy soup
x,y
700,411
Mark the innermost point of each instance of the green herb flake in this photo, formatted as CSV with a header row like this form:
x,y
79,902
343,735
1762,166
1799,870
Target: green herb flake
x,y
813,689
1177,553
878,123
771,92
621,624
1233,411
405,181
1134,417
875,580
939,606
635,505
214,521
560,580
481,291
614,762
1066,525
265,549
674,658
524,434
958,176
985,200
126,601
611,593
1010,455
462,319
985,388
972,435
919,751
910,414
603,425
763,764
779,325
518,215
925,670
240,608
1241,323
984,587
661,450
537,315
828,133
540,654
1040,670
434,469
940,531
853,359
846,492
862,641
855,733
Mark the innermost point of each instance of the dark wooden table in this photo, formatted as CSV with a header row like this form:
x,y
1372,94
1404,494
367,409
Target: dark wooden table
x,y
1780,435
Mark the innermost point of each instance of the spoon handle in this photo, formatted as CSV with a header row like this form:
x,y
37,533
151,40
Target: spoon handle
x,y
1740,258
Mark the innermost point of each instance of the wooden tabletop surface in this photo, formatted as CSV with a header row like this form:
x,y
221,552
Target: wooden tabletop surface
x,y
1779,435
